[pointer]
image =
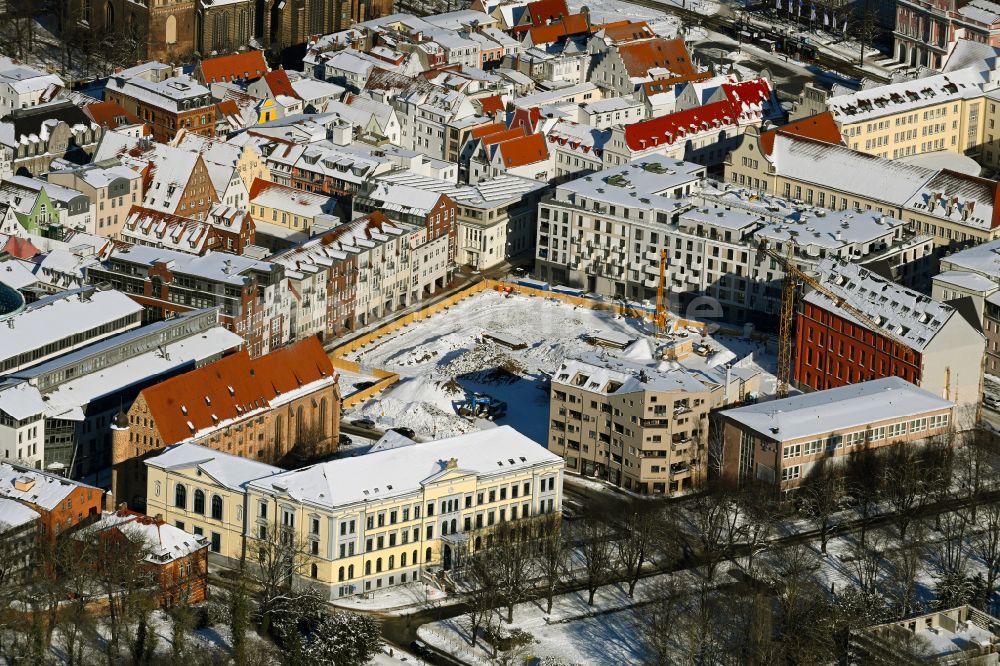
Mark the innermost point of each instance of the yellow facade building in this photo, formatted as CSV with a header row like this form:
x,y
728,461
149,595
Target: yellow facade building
x,y
937,113
384,518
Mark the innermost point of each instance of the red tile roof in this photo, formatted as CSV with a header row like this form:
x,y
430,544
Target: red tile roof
x,y
821,127
626,31
110,115
492,104
524,150
574,24
279,83
663,85
669,54
20,248
526,118
541,12
740,98
249,65
231,387
505,135
484,130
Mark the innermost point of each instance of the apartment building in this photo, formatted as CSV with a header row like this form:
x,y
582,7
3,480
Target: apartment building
x,y
927,31
937,113
258,409
275,207
915,337
22,87
19,536
250,294
955,209
495,219
325,168
34,137
633,425
207,492
165,102
783,442
972,272
393,515
111,187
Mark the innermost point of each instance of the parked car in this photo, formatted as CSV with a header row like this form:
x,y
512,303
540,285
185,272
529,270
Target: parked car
x,y
363,422
345,440
420,649
405,432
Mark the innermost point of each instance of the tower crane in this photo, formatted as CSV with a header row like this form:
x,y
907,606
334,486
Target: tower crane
x,y
660,318
793,276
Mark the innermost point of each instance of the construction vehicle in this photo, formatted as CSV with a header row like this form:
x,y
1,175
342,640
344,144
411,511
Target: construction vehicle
x,y
483,406
660,318
793,276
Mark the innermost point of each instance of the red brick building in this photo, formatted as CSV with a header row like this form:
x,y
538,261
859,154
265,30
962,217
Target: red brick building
x,y
177,562
911,336
255,408
62,504
226,229
167,103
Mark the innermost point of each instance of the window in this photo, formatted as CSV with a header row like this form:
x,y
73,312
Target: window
x,y
216,507
314,526
180,496
216,542
789,473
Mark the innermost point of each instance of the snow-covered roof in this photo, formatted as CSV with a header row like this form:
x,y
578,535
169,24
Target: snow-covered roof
x,y
905,96
24,80
980,11
13,514
905,314
35,487
500,191
56,317
215,266
20,400
400,471
841,409
967,281
619,376
833,229
163,542
391,440
835,167
403,198
983,259
177,93
231,471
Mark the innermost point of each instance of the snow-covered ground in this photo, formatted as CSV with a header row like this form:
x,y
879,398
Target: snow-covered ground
x,y
575,633
444,359
662,23
397,597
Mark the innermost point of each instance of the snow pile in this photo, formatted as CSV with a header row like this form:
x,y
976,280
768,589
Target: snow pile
x,y
720,358
640,351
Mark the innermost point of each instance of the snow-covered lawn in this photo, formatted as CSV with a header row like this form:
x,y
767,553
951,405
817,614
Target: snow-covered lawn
x,y
392,598
575,633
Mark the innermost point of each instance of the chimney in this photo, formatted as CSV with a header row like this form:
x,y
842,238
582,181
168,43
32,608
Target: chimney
x,y
109,501
24,483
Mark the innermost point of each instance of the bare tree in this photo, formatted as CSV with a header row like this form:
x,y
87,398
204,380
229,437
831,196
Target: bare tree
x,y
551,555
952,555
597,548
905,565
759,520
986,546
820,498
866,27
510,556
866,559
481,599
657,622
278,556
636,539
902,485
863,475
711,522
790,572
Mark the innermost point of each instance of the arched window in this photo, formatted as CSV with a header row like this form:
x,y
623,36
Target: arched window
x,y
156,488
392,562
402,559
340,574
444,528
199,502
322,417
350,572
479,543
277,431
216,507
314,571
239,514
368,568
316,18
180,496
378,565
299,422
220,31
171,36
414,555
454,525
427,555
109,15
244,26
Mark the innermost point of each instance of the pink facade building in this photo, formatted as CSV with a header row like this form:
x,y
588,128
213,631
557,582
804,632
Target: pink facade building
x,y
927,30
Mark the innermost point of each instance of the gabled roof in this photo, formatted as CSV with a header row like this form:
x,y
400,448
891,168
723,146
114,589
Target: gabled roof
x,y
524,150
669,54
233,386
246,66
484,130
627,31
280,84
541,12
229,470
574,24
821,127
505,135
491,105
111,115
666,84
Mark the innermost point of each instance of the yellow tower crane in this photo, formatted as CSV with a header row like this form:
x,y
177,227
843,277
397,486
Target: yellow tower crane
x,y
793,276
661,311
